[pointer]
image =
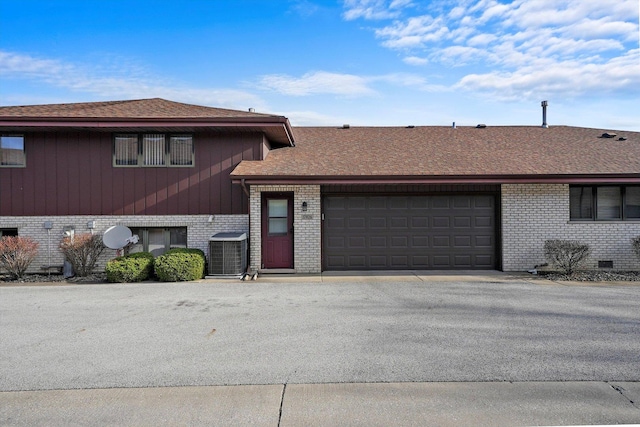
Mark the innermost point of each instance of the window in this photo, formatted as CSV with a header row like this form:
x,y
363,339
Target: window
x,y
153,150
604,203
8,232
12,151
159,240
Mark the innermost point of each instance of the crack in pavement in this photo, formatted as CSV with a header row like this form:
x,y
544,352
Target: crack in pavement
x,y
621,390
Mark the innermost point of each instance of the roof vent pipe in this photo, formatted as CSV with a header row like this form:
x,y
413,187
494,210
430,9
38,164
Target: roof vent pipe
x,y
454,125
544,114
252,110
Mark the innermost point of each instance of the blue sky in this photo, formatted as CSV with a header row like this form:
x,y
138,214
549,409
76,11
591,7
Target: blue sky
x,y
331,62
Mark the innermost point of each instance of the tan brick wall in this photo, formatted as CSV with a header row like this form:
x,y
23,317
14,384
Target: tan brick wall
x,y
533,213
307,226
199,230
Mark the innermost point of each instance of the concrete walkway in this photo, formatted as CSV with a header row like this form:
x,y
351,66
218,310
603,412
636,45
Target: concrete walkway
x,y
373,404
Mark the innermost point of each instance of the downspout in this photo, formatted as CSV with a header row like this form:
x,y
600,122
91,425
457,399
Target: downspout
x,y
247,274
244,187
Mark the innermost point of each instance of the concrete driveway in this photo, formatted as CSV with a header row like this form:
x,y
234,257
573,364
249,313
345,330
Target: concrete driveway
x,y
231,332
394,349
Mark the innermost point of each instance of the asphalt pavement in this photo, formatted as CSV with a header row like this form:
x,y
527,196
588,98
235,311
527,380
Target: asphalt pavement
x,y
428,349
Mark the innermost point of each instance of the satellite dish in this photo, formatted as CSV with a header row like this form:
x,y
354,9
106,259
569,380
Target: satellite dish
x,y
117,237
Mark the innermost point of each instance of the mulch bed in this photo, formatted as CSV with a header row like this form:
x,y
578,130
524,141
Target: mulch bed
x,y
593,276
53,278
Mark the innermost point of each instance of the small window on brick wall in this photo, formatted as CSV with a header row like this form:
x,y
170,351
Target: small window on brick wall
x,y
8,232
604,202
159,240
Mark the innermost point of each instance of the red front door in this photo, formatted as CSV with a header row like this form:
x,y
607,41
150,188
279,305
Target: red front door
x,y
277,231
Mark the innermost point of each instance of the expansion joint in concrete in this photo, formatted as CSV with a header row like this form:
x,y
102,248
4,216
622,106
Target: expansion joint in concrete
x,y
284,389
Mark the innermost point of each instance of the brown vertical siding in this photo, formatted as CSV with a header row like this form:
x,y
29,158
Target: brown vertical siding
x,y
71,173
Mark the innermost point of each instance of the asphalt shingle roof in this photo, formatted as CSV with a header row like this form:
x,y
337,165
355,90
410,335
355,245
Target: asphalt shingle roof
x,y
154,108
432,151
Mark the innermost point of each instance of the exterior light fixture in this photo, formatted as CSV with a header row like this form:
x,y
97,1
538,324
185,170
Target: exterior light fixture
x,y
304,206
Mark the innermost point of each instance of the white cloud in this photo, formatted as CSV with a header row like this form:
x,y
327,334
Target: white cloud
x,y
318,82
415,60
564,45
415,32
571,78
121,83
369,9
346,85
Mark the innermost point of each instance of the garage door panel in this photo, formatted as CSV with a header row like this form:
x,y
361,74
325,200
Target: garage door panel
x,y
356,242
483,221
441,222
355,203
409,232
461,202
420,242
357,223
335,223
441,242
378,203
440,203
399,242
462,241
418,222
378,223
399,222
462,222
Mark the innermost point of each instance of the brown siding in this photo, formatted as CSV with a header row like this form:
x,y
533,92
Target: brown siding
x,y
71,173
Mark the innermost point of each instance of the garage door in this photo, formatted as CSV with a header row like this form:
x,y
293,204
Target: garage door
x,y
409,232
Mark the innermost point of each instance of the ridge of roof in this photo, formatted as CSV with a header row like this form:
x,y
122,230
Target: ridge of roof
x,y
148,108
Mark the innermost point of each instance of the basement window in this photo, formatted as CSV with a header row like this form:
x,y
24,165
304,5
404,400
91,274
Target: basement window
x,y
604,202
8,232
12,151
153,150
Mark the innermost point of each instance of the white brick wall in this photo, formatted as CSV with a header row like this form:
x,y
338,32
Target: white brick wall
x,y
199,230
533,213
307,226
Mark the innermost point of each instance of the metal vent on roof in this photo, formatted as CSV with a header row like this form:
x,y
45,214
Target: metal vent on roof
x,y
410,127
481,126
346,126
608,135
622,138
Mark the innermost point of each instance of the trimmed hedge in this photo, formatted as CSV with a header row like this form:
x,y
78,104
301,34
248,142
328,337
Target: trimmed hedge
x,y
130,268
180,265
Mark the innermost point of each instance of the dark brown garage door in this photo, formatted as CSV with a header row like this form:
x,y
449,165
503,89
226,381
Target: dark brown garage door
x,y
409,232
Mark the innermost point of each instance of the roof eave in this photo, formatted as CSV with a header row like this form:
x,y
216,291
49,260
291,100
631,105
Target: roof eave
x,y
442,179
135,123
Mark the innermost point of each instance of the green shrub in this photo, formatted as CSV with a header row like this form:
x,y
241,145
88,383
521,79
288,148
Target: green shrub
x,y
567,255
179,265
130,268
